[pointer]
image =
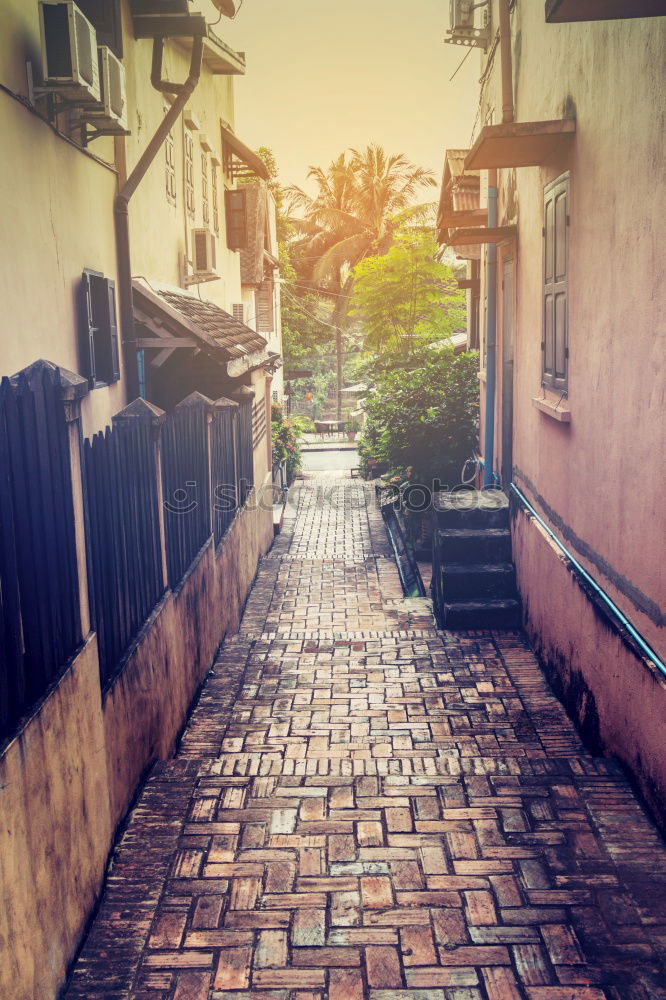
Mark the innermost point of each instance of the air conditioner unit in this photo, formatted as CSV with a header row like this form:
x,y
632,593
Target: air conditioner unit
x,y
203,256
111,113
69,52
463,30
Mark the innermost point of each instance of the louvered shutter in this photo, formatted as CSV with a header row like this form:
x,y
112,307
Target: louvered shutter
x,y
114,373
87,330
555,284
236,219
264,301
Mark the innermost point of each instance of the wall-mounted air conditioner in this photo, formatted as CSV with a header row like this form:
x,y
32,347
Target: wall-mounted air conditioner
x,y
69,52
204,264
464,29
111,113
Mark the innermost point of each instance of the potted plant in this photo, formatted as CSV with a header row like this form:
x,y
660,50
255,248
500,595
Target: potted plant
x,y
353,427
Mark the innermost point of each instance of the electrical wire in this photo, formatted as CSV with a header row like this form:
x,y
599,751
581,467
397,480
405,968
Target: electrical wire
x,y
469,52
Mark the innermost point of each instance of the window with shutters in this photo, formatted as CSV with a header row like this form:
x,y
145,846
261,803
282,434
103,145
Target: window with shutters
x,y
188,144
99,330
265,307
205,209
235,207
554,343
238,311
215,203
170,167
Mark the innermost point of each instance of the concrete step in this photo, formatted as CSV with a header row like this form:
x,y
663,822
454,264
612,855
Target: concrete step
x,y
474,545
482,614
477,582
471,509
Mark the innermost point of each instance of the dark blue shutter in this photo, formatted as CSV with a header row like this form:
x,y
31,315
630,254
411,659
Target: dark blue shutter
x,y
114,373
87,330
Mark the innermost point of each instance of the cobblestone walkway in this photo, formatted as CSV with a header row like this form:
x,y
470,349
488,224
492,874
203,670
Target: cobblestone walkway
x,y
362,807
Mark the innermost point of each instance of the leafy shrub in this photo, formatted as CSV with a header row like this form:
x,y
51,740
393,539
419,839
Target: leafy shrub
x,y
423,422
285,437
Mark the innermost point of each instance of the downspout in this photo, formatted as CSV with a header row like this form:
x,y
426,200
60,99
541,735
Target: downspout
x,y
489,478
183,92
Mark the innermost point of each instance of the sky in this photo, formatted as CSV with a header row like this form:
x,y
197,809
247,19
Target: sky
x,y
325,75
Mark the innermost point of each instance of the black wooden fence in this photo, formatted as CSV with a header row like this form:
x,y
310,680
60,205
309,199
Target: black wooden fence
x,y
186,481
40,626
40,619
124,547
223,469
245,450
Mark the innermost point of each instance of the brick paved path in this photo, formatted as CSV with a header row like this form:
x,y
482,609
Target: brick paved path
x,y
364,807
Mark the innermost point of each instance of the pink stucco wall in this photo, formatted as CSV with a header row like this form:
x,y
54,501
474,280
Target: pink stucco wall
x,y
597,481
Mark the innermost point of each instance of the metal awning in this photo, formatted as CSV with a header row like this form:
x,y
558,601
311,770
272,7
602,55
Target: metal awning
x,y
239,159
558,11
520,144
478,237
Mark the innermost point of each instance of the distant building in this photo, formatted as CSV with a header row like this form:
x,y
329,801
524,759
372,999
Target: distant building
x,y
559,208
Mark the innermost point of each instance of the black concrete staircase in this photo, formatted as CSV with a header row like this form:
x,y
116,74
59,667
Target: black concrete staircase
x,y
473,580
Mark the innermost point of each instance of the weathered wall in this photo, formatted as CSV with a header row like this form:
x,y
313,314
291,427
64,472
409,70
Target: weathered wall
x,y
593,480
175,653
68,778
55,832
616,699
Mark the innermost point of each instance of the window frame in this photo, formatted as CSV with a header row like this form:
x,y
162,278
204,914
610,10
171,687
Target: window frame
x,y
555,287
170,167
205,203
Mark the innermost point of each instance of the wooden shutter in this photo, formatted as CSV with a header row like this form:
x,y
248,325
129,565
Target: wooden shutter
x,y
264,303
554,345
87,330
100,355
114,370
235,205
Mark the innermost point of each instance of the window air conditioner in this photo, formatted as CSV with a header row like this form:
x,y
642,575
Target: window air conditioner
x,y
69,52
203,255
111,113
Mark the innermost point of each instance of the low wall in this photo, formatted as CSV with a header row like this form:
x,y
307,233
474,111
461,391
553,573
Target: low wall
x,y
68,777
616,698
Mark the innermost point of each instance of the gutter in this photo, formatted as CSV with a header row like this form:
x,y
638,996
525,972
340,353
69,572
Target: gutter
x,y
489,478
183,92
617,618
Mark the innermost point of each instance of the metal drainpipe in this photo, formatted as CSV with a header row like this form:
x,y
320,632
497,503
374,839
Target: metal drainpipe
x,y
489,478
183,93
491,330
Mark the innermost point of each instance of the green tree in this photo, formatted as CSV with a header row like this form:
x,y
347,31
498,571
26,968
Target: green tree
x,y
407,297
424,418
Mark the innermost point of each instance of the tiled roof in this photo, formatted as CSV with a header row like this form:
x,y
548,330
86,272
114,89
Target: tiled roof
x,y
199,318
237,338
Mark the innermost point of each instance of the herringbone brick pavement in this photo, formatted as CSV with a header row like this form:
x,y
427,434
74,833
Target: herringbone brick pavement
x,y
363,807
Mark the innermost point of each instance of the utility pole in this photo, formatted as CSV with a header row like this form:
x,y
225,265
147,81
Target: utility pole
x,y
338,366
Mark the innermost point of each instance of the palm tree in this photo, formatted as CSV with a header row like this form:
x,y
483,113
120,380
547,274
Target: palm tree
x,y
362,201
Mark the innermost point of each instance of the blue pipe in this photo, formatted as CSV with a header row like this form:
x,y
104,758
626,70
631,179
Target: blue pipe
x,y
610,604
141,369
491,330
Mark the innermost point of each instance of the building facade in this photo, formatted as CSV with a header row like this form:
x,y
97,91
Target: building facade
x,y
140,355
564,287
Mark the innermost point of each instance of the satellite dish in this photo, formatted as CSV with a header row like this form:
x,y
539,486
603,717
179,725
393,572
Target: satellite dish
x,y
226,7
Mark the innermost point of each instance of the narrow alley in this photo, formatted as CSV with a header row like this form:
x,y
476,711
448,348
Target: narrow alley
x,y
362,806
